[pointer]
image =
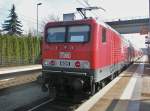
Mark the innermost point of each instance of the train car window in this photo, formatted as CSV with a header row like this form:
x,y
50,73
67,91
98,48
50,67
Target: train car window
x,y
103,35
78,33
56,34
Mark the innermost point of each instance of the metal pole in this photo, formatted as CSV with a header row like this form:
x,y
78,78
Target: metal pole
x,y
148,48
149,17
38,17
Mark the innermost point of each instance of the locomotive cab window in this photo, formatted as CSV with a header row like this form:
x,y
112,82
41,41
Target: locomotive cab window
x,y
56,34
103,35
78,33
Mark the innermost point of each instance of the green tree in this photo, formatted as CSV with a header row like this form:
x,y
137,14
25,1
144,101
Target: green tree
x,y
12,26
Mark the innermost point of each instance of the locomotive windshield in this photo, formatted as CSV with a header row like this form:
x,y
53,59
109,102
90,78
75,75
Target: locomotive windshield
x,y
56,34
68,34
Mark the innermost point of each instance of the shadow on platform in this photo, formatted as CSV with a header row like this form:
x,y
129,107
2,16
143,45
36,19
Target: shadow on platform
x,y
128,105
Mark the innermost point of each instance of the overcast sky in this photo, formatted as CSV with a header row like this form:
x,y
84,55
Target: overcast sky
x,y
26,9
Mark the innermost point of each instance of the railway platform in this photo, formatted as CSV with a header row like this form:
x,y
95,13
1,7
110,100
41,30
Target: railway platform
x,y
13,76
8,70
130,91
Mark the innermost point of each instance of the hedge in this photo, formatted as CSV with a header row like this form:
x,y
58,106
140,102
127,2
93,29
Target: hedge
x,y
16,50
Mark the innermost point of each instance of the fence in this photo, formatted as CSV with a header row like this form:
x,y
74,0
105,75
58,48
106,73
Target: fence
x,y
16,50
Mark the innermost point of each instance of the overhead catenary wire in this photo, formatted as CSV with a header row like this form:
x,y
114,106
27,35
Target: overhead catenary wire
x,y
81,3
86,4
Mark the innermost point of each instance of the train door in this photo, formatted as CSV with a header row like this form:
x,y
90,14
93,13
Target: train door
x,y
109,42
129,54
115,55
104,46
111,49
112,52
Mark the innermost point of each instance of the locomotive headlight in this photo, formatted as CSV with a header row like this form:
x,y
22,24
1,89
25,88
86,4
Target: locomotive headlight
x,y
49,62
77,64
45,62
52,62
85,65
82,64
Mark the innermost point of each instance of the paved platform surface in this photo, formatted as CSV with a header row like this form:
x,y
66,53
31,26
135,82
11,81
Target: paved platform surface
x,y
130,93
13,76
6,70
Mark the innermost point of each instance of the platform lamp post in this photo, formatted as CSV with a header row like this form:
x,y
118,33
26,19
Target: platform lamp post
x,y
148,48
149,21
147,42
37,17
149,17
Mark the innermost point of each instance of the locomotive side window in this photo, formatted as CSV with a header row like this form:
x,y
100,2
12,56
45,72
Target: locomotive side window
x,y
103,35
56,34
78,33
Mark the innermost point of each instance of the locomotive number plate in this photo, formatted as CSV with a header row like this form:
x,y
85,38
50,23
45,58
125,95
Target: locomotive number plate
x,y
65,63
65,55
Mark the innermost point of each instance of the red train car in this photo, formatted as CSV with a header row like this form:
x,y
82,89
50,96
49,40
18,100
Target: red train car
x,y
82,55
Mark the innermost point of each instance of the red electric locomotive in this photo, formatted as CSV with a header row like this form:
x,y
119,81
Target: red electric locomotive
x,y
82,55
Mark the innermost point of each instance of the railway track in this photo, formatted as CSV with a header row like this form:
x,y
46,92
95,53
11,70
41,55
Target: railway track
x,y
59,104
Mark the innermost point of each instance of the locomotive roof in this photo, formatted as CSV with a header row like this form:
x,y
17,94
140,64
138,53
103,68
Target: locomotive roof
x,y
98,21
107,26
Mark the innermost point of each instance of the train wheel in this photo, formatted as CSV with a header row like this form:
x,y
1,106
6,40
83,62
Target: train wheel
x,y
112,76
93,89
103,83
93,85
98,87
117,73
